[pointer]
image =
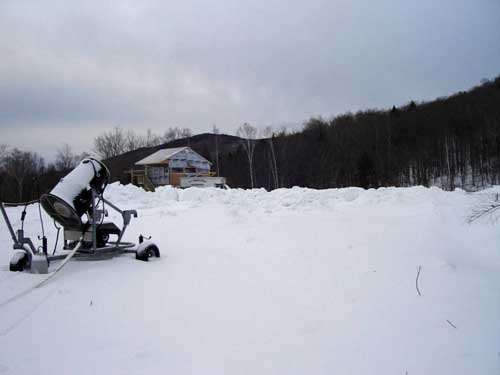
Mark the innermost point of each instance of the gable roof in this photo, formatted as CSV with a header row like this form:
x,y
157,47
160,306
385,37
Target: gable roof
x,y
162,155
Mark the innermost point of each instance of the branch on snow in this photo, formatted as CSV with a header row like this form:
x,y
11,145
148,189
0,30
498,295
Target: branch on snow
x,y
416,280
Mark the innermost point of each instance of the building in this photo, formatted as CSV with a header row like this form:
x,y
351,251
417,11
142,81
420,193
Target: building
x,y
168,166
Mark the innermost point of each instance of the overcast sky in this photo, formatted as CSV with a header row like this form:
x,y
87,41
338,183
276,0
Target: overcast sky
x,y
70,70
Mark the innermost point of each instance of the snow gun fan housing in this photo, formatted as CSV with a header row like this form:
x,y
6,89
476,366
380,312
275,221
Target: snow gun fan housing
x,y
72,197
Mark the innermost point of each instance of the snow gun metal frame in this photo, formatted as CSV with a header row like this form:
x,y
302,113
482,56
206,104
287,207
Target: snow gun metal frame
x,y
78,194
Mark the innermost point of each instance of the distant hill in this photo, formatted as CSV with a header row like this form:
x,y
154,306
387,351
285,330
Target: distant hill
x,y
448,142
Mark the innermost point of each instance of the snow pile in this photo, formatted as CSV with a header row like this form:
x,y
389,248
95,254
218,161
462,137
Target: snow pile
x,y
295,198
293,281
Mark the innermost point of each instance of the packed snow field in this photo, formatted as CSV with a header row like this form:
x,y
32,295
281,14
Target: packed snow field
x,y
294,281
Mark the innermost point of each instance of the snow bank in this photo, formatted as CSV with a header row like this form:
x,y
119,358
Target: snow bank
x,y
295,198
293,281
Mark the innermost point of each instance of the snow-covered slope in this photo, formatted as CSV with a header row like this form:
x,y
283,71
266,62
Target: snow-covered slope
x,y
294,281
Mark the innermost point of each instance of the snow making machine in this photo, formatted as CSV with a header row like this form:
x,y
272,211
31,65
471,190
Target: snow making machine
x,y
77,204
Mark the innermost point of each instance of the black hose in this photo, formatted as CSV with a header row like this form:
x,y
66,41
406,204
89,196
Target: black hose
x,y
103,211
6,204
23,216
39,206
41,219
57,237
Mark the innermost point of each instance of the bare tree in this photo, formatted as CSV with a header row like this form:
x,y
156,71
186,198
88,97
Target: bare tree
x,y
20,165
248,135
282,131
3,151
170,134
215,130
110,144
65,158
117,141
186,133
151,139
268,133
451,176
175,132
3,154
133,141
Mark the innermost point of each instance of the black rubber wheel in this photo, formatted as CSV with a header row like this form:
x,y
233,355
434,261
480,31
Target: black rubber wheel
x,y
102,239
148,252
19,262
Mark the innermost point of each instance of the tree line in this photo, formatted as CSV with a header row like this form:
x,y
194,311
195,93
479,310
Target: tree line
x,y
24,175
449,142
118,141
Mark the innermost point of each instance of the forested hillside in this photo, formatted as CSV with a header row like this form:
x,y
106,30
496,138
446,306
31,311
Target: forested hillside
x,y
449,142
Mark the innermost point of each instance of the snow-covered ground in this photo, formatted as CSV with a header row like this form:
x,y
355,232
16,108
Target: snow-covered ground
x,y
294,281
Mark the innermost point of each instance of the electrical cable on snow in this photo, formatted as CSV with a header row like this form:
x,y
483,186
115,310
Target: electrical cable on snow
x,y
46,279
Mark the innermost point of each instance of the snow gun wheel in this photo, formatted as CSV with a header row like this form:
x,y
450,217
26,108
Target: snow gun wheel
x,y
19,262
146,251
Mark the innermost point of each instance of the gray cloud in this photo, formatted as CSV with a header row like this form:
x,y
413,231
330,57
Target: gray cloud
x,y
71,71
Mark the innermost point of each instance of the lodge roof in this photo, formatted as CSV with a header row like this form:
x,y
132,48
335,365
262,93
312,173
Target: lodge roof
x,y
163,155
